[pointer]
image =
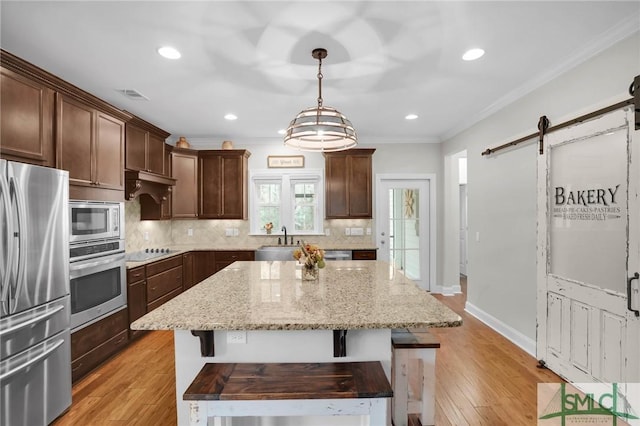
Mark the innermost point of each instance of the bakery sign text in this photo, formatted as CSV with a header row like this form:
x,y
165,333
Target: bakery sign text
x,y
586,204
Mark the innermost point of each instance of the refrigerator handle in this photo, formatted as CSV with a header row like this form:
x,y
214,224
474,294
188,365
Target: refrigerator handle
x,y
33,320
32,361
4,285
22,239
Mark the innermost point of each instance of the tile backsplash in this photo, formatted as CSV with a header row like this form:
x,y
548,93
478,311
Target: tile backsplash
x,y
141,234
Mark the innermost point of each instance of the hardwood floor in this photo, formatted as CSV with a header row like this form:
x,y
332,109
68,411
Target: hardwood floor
x,y
482,379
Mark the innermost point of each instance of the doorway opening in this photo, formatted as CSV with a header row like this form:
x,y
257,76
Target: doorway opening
x,y
405,225
455,259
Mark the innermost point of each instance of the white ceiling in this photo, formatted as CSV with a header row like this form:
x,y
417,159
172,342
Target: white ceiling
x,y
386,58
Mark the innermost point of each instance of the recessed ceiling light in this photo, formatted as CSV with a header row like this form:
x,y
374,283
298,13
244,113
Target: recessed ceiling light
x,y
230,117
410,117
472,54
169,52
282,131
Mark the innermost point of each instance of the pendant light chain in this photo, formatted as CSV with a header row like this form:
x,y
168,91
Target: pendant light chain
x,y
320,81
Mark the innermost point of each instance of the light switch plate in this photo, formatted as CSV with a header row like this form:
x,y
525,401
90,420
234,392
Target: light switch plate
x,y
228,232
190,232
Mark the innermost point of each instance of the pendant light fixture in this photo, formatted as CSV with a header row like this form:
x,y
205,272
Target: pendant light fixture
x,y
320,128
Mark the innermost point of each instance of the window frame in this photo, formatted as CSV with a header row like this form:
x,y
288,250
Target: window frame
x,y
287,179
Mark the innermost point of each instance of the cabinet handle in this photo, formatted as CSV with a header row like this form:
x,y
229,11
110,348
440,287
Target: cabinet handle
x,y
153,289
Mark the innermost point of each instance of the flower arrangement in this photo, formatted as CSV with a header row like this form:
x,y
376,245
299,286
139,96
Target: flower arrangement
x,y
309,254
268,227
312,258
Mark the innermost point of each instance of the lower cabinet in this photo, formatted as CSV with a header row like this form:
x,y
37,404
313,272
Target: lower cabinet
x,y
164,281
95,343
364,255
226,258
136,297
204,264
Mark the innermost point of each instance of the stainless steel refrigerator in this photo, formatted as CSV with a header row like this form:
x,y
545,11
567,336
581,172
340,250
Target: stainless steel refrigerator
x,y
35,354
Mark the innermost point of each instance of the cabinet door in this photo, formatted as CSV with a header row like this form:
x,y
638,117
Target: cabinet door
x,y
74,140
336,187
187,270
26,120
233,194
210,186
109,152
184,195
360,186
137,300
136,142
155,154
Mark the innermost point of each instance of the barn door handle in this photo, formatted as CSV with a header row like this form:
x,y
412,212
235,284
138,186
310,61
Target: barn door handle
x,y
634,277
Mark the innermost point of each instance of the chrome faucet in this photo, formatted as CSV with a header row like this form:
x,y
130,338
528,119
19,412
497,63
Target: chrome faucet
x,y
284,228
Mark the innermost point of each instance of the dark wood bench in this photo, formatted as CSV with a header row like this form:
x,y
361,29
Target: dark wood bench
x,y
267,389
413,376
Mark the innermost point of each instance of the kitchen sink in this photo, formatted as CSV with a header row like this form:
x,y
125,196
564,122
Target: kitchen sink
x,y
141,256
275,253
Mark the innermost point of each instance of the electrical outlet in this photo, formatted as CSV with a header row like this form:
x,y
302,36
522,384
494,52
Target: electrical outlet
x,y
357,231
236,337
327,232
228,232
347,231
145,235
368,231
190,232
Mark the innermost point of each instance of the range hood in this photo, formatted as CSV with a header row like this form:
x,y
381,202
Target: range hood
x,y
152,184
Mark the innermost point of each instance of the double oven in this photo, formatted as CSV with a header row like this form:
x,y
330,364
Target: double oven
x,y
97,268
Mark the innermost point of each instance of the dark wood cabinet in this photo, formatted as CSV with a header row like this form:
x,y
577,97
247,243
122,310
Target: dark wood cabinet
x,y
184,197
136,297
204,264
348,184
27,114
222,184
226,258
364,254
149,209
90,145
145,147
164,281
187,271
92,345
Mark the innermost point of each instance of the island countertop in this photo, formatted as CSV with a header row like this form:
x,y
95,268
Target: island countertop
x,y
271,296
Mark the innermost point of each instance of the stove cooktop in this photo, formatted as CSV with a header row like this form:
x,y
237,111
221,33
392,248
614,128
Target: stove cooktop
x,y
147,254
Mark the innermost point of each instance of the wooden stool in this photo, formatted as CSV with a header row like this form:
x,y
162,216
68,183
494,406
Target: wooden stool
x,y
413,376
250,389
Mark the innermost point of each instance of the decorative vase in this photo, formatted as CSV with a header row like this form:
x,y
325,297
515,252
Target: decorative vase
x,y
310,272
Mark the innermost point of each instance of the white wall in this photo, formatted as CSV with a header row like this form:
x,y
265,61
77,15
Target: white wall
x,y
502,187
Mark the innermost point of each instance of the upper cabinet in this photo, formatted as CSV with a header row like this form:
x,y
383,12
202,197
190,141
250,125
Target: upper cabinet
x,y
149,208
348,184
27,112
145,147
222,184
46,121
90,145
184,165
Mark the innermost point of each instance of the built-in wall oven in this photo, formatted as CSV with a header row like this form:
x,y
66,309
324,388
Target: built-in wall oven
x,y
97,268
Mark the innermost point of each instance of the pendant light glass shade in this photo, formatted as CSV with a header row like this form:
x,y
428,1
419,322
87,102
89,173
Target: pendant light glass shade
x,y
320,128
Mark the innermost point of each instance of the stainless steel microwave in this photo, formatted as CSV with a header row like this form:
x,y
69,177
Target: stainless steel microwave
x,y
95,220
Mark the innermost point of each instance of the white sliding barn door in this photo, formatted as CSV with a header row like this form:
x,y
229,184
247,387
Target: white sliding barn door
x,y
588,248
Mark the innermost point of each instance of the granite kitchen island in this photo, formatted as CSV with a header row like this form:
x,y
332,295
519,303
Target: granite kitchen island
x,y
264,312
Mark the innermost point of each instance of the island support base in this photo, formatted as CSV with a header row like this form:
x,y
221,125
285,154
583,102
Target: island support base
x,y
280,346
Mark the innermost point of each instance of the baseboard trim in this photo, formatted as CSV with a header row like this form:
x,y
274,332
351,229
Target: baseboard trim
x,y
523,342
446,291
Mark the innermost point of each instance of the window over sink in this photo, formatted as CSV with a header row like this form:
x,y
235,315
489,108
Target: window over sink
x,y
294,199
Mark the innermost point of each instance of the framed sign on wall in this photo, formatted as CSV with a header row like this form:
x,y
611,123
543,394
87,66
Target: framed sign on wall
x,y
285,161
